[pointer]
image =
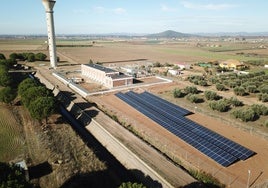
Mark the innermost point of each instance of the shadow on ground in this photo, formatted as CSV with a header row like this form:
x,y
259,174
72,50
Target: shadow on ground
x,y
103,179
40,170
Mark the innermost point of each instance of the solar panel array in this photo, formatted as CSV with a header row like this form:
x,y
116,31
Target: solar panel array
x,y
171,117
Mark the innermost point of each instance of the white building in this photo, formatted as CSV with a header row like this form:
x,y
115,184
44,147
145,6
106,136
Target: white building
x,y
106,76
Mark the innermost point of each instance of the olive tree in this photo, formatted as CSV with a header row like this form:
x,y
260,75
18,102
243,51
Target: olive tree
x,y
194,98
240,91
211,95
263,97
245,114
220,87
235,102
220,105
178,93
191,89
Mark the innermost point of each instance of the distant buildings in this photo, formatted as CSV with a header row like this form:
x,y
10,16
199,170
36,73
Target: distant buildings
x,y
183,65
107,77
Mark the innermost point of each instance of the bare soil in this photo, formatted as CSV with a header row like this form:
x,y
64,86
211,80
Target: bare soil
x,y
234,175
57,156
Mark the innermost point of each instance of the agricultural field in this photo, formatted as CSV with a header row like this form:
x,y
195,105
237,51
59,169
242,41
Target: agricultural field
x,y
11,135
163,53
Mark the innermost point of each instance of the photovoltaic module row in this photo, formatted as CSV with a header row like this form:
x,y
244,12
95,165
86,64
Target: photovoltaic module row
x,y
171,117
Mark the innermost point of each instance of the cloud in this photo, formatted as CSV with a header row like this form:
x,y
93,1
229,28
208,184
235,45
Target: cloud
x,y
99,9
119,10
165,8
209,6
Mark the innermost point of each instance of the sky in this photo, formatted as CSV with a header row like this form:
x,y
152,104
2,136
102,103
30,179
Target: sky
x,y
135,16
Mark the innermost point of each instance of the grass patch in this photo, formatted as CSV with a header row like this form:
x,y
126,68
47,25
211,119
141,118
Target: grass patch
x,y
206,178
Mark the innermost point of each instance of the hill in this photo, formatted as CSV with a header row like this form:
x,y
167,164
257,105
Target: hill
x,y
169,34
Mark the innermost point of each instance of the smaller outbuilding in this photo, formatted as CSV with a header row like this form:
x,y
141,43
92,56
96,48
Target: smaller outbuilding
x,y
183,65
232,64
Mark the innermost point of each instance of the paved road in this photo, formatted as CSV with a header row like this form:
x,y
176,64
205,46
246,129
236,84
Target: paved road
x,y
150,162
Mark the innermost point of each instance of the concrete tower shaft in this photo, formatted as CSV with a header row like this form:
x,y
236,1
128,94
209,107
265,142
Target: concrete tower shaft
x,y
49,4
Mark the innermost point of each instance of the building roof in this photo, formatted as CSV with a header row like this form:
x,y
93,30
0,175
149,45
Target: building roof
x,y
101,68
232,62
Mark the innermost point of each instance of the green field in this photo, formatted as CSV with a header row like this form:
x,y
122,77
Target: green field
x,y
11,137
203,53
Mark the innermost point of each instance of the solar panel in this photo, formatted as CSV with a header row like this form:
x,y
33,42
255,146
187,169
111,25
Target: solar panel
x,y
164,103
235,149
201,144
171,117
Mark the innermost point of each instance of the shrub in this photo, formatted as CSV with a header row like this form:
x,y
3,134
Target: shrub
x,y
251,89
263,89
263,97
7,95
202,83
195,81
213,80
220,105
40,56
193,98
232,84
211,95
31,57
246,114
220,87
259,109
191,89
206,178
157,64
178,93
131,185
235,102
240,91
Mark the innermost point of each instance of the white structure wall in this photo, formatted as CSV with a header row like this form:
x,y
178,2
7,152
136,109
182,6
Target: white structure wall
x,y
107,77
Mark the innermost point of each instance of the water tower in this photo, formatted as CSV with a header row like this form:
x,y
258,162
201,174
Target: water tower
x,y
49,4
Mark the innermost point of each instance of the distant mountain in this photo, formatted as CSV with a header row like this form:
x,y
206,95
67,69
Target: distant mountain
x,y
170,34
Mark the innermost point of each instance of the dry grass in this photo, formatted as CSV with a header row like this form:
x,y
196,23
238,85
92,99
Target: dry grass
x,y
11,135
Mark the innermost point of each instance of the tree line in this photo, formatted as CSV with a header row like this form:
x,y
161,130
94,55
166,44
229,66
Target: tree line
x,y
39,100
